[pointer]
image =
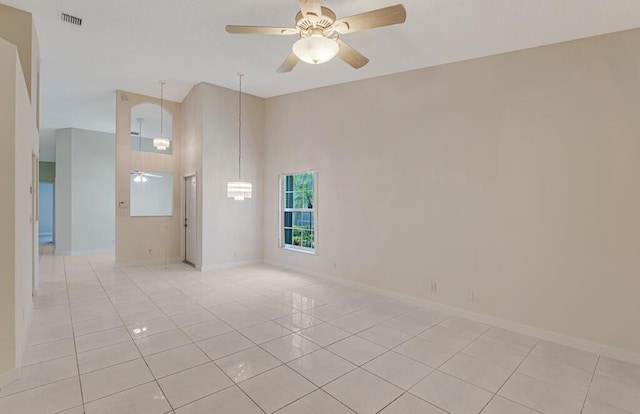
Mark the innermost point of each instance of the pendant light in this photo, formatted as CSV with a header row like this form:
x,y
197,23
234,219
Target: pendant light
x,y
239,190
161,143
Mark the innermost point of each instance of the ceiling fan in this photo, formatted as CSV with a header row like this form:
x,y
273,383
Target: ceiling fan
x,y
141,176
320,31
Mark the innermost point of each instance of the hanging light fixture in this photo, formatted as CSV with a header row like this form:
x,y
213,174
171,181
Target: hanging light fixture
x,y
316,48
139,178
161,143
239,190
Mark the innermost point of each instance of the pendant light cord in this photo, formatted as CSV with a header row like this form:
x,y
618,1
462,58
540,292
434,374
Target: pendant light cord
x,y
162,108
240,75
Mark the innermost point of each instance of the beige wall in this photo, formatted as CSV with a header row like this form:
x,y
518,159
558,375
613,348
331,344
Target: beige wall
x,y
145,239
9,72
18,252
513,176
13,24
230,231
192,119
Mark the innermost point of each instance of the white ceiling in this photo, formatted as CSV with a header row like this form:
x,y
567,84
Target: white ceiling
x,y
130,45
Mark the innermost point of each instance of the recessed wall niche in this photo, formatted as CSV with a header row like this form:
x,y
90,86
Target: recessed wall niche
x,y
147,124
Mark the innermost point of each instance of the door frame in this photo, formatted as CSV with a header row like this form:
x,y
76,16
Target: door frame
x,y
184,218
35,219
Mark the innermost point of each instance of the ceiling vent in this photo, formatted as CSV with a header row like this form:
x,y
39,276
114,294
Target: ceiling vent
x,y
70,19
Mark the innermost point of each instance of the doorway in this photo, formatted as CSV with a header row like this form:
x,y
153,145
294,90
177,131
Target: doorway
x,y
190,220
45,208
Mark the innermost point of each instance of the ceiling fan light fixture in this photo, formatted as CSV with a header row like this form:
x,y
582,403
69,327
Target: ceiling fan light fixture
x,y
139,178
316,49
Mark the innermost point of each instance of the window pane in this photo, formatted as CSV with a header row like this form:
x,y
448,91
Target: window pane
x,y
288,200
308,239
302,220
288,236
297,237
287,219
289,183
312,221
298,200
308,199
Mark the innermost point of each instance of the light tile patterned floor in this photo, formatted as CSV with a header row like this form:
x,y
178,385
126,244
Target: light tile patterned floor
x,y
167,339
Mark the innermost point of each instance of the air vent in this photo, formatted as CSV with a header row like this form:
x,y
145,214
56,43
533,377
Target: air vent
x,y
70,19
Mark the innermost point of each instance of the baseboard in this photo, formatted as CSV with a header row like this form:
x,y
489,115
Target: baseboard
x,y
154,262
82,252
578,343
229,265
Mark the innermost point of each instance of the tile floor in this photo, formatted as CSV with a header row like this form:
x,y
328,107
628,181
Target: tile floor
x,y
166,339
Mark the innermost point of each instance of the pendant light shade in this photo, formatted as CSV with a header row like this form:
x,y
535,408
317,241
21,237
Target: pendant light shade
x,y
239,190
161,143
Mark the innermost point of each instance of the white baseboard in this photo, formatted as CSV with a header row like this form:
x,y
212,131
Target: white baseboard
x,y
229,265
82,252
571,341
154,262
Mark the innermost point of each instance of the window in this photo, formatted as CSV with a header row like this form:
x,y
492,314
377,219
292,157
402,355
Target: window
x,y
298,211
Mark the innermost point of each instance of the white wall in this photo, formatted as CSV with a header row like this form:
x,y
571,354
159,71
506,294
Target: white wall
x,y
45,209
512,176
85,191
63,190
231,230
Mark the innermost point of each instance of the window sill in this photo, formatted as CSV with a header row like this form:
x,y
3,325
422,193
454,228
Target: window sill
x,y
294,249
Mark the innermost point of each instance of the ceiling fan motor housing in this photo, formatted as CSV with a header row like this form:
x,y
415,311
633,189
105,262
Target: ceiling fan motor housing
x,y
312,24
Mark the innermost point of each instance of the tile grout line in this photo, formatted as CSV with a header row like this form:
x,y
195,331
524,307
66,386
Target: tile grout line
x,y
434,368
75,348
586,396
509,377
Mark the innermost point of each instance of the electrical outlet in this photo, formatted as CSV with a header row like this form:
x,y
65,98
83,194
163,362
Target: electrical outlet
x,y
335,266
434,287
471,296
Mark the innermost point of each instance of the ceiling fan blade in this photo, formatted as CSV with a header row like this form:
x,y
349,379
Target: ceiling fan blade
x,y
351,56
310,7
386,16
289,63
262,30
151,175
